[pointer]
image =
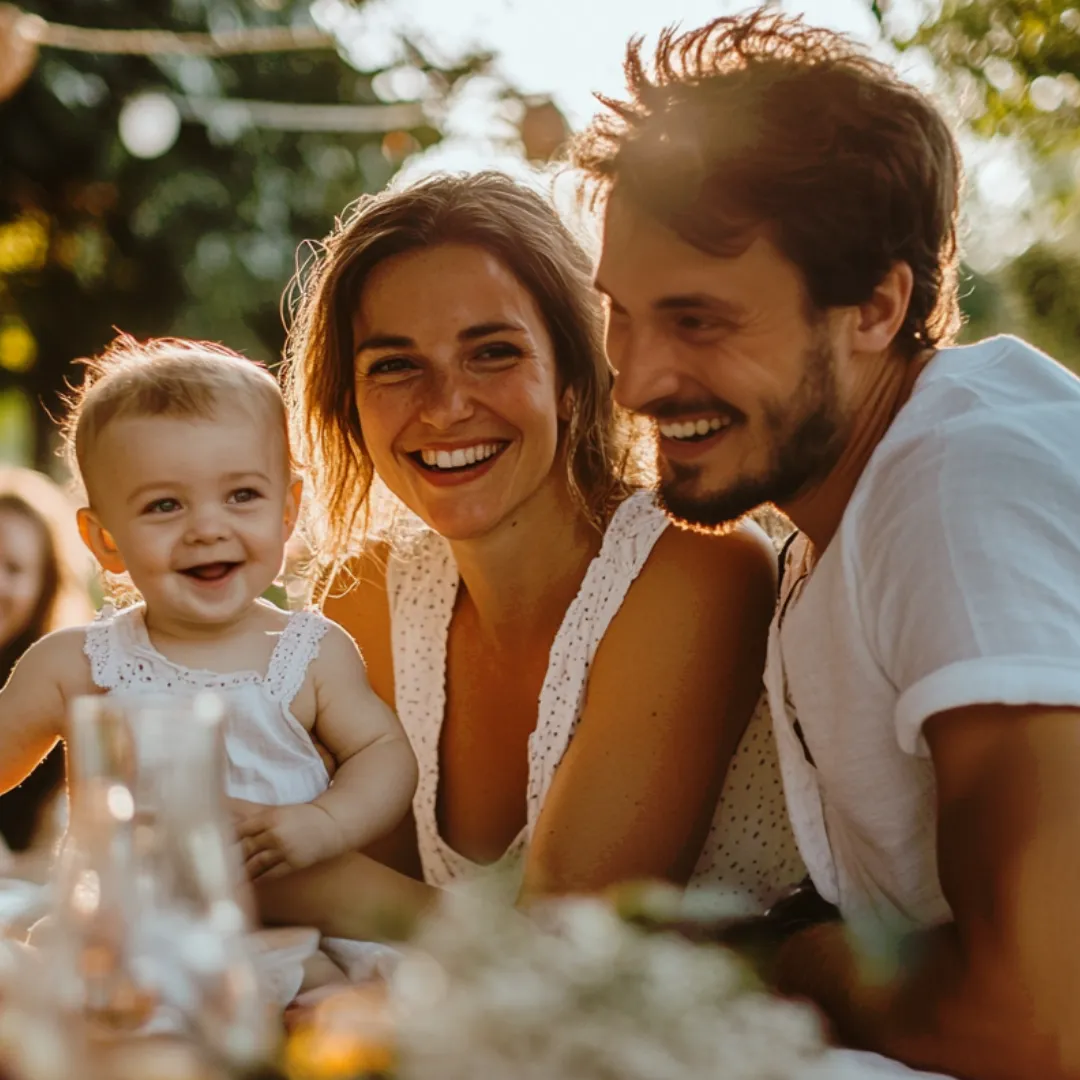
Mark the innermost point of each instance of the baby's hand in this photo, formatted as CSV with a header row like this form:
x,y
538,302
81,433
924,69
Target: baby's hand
x,y
277,839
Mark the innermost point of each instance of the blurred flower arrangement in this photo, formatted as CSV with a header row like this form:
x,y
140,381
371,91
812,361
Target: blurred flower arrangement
x,y
570,992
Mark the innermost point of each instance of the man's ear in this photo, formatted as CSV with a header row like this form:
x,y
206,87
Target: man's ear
x,y
880,318
292,504
100,542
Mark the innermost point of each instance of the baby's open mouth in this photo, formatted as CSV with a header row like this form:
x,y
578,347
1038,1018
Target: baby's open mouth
x,y
212,571
459,460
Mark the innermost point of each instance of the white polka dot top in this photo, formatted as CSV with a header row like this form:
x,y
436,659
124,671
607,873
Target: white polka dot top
x,y
750,845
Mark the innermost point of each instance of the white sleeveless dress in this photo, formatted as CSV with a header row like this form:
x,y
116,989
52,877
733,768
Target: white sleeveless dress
x,y
750,847
270,757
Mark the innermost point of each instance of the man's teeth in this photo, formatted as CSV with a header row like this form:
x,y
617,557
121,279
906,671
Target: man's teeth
x,y
691,429
455,459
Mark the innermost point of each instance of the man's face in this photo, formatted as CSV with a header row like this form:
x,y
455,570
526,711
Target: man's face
x,y
742,381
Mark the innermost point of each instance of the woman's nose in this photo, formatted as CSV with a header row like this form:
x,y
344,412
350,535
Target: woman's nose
x,y
447,402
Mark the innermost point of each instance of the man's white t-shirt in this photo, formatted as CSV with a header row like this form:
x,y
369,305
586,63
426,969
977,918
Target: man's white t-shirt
x,y
954,579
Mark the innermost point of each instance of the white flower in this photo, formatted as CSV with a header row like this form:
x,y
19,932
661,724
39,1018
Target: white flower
x,y
574,993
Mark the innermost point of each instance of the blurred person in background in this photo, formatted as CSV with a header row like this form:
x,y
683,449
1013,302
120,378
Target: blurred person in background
x,y
44,577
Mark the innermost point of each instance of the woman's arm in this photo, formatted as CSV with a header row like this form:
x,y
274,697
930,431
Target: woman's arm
x,y
671,690
352,896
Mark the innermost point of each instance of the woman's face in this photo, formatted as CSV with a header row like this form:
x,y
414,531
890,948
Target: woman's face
x,y
456,388
22,573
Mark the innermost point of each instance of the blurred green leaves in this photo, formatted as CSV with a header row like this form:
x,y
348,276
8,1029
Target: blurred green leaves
x,y
199,240
1011,69
1015,62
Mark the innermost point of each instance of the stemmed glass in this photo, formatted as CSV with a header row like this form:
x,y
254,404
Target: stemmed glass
x,y
152,912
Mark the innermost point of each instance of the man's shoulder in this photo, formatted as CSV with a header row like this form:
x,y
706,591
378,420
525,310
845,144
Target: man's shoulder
x,y
976,404
989,426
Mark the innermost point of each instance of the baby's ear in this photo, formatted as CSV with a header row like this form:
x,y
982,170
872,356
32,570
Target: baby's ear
x,y
100,542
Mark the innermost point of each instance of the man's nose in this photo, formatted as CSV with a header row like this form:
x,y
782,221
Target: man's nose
x,y
645,370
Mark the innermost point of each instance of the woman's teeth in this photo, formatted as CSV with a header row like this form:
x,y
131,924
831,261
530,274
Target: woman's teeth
x,y
456,459
693,429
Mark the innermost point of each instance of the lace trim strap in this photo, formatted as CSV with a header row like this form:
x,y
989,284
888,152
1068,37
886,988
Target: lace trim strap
x,y
295,650
632,533
104,649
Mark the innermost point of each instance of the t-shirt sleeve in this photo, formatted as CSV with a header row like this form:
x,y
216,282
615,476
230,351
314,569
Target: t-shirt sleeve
x,y
970,568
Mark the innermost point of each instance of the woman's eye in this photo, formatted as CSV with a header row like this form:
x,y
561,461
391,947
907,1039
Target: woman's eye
x,y
390,365
245,495
499,350
162,506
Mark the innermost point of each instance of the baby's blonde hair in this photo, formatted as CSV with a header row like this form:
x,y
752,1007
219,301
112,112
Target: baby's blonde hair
x,y
164,377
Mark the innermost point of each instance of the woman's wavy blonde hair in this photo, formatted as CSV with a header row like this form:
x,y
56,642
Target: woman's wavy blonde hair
x,y
519,227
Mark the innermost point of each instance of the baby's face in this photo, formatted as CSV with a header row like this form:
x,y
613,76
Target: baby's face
x,y
199,510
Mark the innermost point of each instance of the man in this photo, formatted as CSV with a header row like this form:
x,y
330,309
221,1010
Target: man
x,y
780,263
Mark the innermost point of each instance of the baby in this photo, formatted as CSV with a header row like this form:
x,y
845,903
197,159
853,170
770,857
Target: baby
x,y
183,451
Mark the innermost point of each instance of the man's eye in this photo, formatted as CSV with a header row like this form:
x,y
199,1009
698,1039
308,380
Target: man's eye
x,y
694,323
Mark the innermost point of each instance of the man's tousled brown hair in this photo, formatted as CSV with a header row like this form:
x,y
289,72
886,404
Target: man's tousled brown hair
x,y
761,122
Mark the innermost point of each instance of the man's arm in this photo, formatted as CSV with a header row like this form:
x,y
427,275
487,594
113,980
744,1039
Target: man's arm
x,y
994,995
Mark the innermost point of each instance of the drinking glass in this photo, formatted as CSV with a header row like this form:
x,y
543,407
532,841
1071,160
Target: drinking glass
x,y
152,914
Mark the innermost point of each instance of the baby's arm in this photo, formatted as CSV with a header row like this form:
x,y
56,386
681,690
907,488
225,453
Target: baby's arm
x,y
35,699
376,772
373,784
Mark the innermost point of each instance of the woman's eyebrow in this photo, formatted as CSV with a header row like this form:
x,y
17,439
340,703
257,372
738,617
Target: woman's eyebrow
x,y
471,333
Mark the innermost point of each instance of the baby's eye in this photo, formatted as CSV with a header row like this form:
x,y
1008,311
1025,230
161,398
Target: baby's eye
x,y
245,495
162,506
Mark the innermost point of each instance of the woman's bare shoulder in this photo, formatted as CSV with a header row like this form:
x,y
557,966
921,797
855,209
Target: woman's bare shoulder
x,y
358,603
685,562
358,583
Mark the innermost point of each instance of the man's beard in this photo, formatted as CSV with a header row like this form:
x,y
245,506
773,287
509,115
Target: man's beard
x,y
806,439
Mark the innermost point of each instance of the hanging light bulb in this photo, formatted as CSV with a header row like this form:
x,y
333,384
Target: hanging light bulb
x,y
149,124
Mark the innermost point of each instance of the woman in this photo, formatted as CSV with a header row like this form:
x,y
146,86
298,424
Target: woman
x,y
43,579
450,345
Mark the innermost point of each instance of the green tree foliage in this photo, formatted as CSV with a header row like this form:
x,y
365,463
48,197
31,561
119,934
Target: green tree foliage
x,y
1016,63
201,240
1013,69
